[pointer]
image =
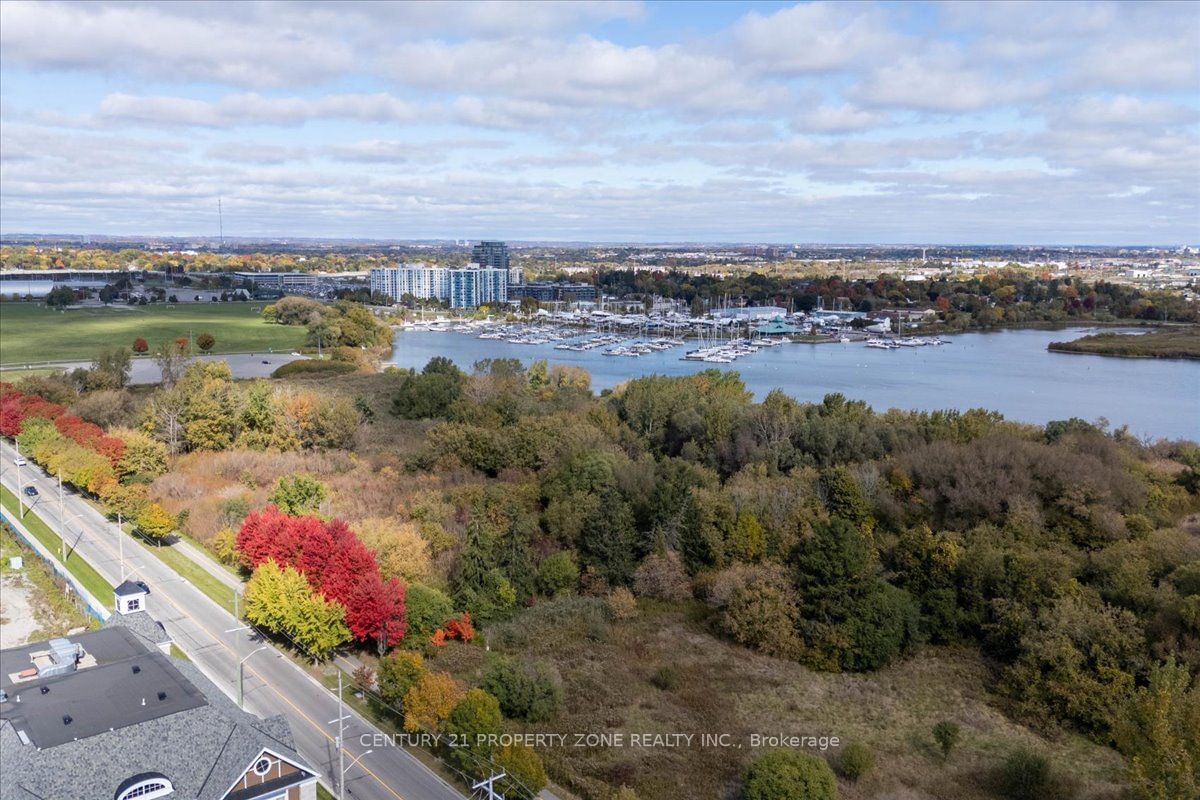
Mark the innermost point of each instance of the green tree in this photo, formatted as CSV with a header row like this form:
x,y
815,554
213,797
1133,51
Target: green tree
x,y
525,773
844,499
789,775
298,495
747,540
427,395
557,573
281,601
1076,664
110,369
1026,776
155,522
529,691
855,760
606,542
258,417
946,734
425,610
474,722
398,672
60,297
1159,731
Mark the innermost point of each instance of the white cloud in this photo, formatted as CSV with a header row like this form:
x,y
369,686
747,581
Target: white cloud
x,y
583,72
814,37
254,109
838,119
154,42
538,119
1126,111
942,81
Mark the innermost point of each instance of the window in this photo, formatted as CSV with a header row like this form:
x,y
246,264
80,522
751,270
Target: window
x,y
262,766
147,789
133,604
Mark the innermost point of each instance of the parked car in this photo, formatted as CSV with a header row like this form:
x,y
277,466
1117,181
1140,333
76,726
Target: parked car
x,y
20,462
31,491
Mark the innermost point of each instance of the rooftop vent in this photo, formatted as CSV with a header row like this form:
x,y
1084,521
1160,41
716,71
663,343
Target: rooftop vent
x,y
136,669
162,696
45,690
67,720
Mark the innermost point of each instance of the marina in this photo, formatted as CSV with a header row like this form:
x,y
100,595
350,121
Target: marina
x,y
1009,371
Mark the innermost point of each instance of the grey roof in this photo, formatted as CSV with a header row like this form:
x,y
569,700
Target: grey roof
x,y
93,700
131,587
202,748
141,623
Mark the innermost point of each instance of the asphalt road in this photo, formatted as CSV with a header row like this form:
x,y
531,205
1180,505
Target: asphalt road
x,y
206,632
146,371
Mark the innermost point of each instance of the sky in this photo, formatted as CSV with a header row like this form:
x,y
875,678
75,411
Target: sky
x,y
1004,123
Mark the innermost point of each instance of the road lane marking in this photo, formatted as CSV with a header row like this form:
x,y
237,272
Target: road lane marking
x,y
102,543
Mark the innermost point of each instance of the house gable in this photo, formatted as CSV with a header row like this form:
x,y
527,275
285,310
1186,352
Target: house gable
x,y
269,772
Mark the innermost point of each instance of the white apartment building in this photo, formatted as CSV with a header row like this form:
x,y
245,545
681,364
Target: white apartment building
x,y
462,287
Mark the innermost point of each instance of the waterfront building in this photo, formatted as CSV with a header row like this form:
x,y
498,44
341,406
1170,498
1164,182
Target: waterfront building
x,y
552,292
303,282
461,287
491,254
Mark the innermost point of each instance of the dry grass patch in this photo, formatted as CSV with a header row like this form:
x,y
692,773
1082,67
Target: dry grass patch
x,y
612,676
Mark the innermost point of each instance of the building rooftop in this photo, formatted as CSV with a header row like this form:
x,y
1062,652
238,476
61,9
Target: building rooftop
x,y
130,588
133,712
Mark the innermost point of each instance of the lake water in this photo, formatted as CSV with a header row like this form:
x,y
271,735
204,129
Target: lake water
x,y
1007,371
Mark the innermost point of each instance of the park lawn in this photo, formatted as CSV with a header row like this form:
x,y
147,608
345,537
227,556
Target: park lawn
x,y
14,375
35,333
91,580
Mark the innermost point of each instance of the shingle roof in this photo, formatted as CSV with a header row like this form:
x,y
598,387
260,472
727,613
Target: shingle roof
x,y
141,623
131,587
202,749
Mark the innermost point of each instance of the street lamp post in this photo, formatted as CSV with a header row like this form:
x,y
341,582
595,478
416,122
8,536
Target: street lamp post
x,y
63,533
121,546
20,487
342,777
242,677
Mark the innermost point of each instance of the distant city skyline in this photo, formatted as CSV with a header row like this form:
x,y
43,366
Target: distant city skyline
x,y
854,123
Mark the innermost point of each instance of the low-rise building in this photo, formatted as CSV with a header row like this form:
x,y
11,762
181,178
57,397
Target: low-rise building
x,y
108,714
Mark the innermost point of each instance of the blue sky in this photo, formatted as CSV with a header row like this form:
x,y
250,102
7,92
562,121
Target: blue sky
x,y
621,121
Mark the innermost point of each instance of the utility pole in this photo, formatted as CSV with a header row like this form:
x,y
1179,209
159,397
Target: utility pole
x,y
488,786
62,534
121,545
341,741
20,487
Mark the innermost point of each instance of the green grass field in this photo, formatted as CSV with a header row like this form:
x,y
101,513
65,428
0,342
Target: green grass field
x,y
34,333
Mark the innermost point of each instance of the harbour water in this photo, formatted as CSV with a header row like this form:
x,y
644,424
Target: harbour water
x,y
1007,371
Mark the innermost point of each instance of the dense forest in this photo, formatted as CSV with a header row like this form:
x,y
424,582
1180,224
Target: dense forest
x,y
511,506
994,298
